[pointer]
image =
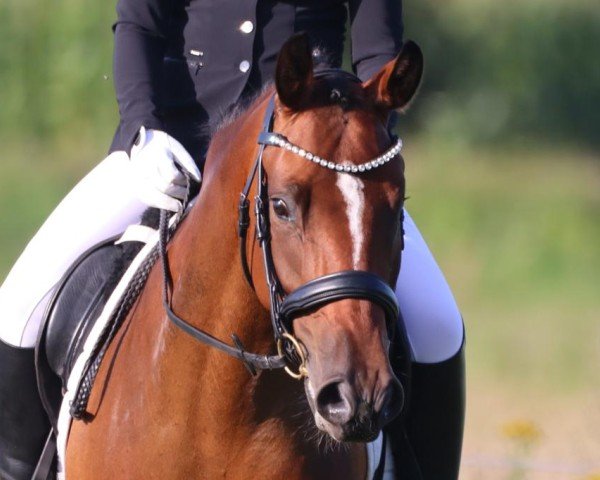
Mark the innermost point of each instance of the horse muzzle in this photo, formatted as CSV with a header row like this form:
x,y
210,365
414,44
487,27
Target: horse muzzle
x,y
348,416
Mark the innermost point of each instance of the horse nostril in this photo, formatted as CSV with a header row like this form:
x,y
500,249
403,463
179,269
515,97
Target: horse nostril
x,y
334,402
392,401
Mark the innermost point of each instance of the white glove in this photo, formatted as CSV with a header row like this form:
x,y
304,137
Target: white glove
x,y
157,161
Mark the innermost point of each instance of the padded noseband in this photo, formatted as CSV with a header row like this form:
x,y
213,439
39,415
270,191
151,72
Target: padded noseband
x,y
355,284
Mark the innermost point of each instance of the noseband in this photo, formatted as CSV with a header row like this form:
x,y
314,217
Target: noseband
x,y
284,308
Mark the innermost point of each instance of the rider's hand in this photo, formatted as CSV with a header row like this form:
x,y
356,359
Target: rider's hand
x,y
159,162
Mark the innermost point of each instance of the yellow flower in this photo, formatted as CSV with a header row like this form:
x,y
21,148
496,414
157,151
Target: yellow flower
x,y
592,476
524,431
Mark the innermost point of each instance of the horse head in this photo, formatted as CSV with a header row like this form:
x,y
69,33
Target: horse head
x,y
330,211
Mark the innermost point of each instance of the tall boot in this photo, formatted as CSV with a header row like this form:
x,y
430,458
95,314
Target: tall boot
x,y
436,416
23,422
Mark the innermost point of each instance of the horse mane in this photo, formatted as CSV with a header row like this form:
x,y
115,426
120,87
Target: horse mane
x,y
238,109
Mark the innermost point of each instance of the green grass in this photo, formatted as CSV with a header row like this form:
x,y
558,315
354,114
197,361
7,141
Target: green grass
x,y
517,234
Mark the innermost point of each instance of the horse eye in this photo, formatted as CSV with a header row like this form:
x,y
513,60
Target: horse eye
x,y
281,209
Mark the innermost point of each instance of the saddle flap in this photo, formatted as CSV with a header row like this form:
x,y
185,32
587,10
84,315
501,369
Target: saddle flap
x,y
76,304
78,301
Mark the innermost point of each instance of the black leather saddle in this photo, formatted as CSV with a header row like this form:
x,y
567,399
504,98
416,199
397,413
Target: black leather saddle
x,y
77,302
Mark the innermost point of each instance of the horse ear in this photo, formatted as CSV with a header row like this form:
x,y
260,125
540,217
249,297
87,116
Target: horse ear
x,y
294,71
396,83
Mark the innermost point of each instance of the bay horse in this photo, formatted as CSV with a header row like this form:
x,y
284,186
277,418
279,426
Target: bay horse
x,y
165,406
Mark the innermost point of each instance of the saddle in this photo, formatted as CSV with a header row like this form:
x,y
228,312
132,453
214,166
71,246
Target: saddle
x,y
77,302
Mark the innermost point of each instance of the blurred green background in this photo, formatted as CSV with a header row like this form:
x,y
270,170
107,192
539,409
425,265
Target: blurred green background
x,y
503,169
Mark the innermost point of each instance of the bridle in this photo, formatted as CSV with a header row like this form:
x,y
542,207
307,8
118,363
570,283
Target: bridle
x,y
284,308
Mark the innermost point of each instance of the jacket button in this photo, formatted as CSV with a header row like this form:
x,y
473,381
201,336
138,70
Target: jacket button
x,y
244,66
247,26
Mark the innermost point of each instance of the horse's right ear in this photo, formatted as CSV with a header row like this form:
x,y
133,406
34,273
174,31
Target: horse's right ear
x,y
294,71
396,83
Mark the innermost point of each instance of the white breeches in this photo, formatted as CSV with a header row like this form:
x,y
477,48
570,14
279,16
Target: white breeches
x,y
433,322
100,206
103,204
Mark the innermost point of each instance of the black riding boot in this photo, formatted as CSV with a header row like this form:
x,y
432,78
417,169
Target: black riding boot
x,y
23,423
436,416
427,442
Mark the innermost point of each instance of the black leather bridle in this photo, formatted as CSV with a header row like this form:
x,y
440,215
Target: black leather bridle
x,y
284,308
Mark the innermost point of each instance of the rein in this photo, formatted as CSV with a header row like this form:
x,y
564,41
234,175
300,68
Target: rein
x,y
251,360
355,284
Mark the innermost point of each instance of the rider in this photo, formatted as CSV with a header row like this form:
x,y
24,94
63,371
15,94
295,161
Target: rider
x,y
178,66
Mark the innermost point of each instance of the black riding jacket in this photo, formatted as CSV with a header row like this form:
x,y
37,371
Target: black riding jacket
x,y
180,64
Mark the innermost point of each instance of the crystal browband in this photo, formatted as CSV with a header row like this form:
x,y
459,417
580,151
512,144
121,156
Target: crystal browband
x,y
279,140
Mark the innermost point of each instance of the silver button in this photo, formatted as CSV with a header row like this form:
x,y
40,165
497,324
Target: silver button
x,y
196,53
247,26
244,66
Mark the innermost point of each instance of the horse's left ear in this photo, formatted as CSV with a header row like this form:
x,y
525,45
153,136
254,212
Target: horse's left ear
x,y
294,71
396,83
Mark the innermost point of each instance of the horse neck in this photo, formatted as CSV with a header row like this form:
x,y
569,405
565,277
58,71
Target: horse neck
x,y
209,288
209,291
208,280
